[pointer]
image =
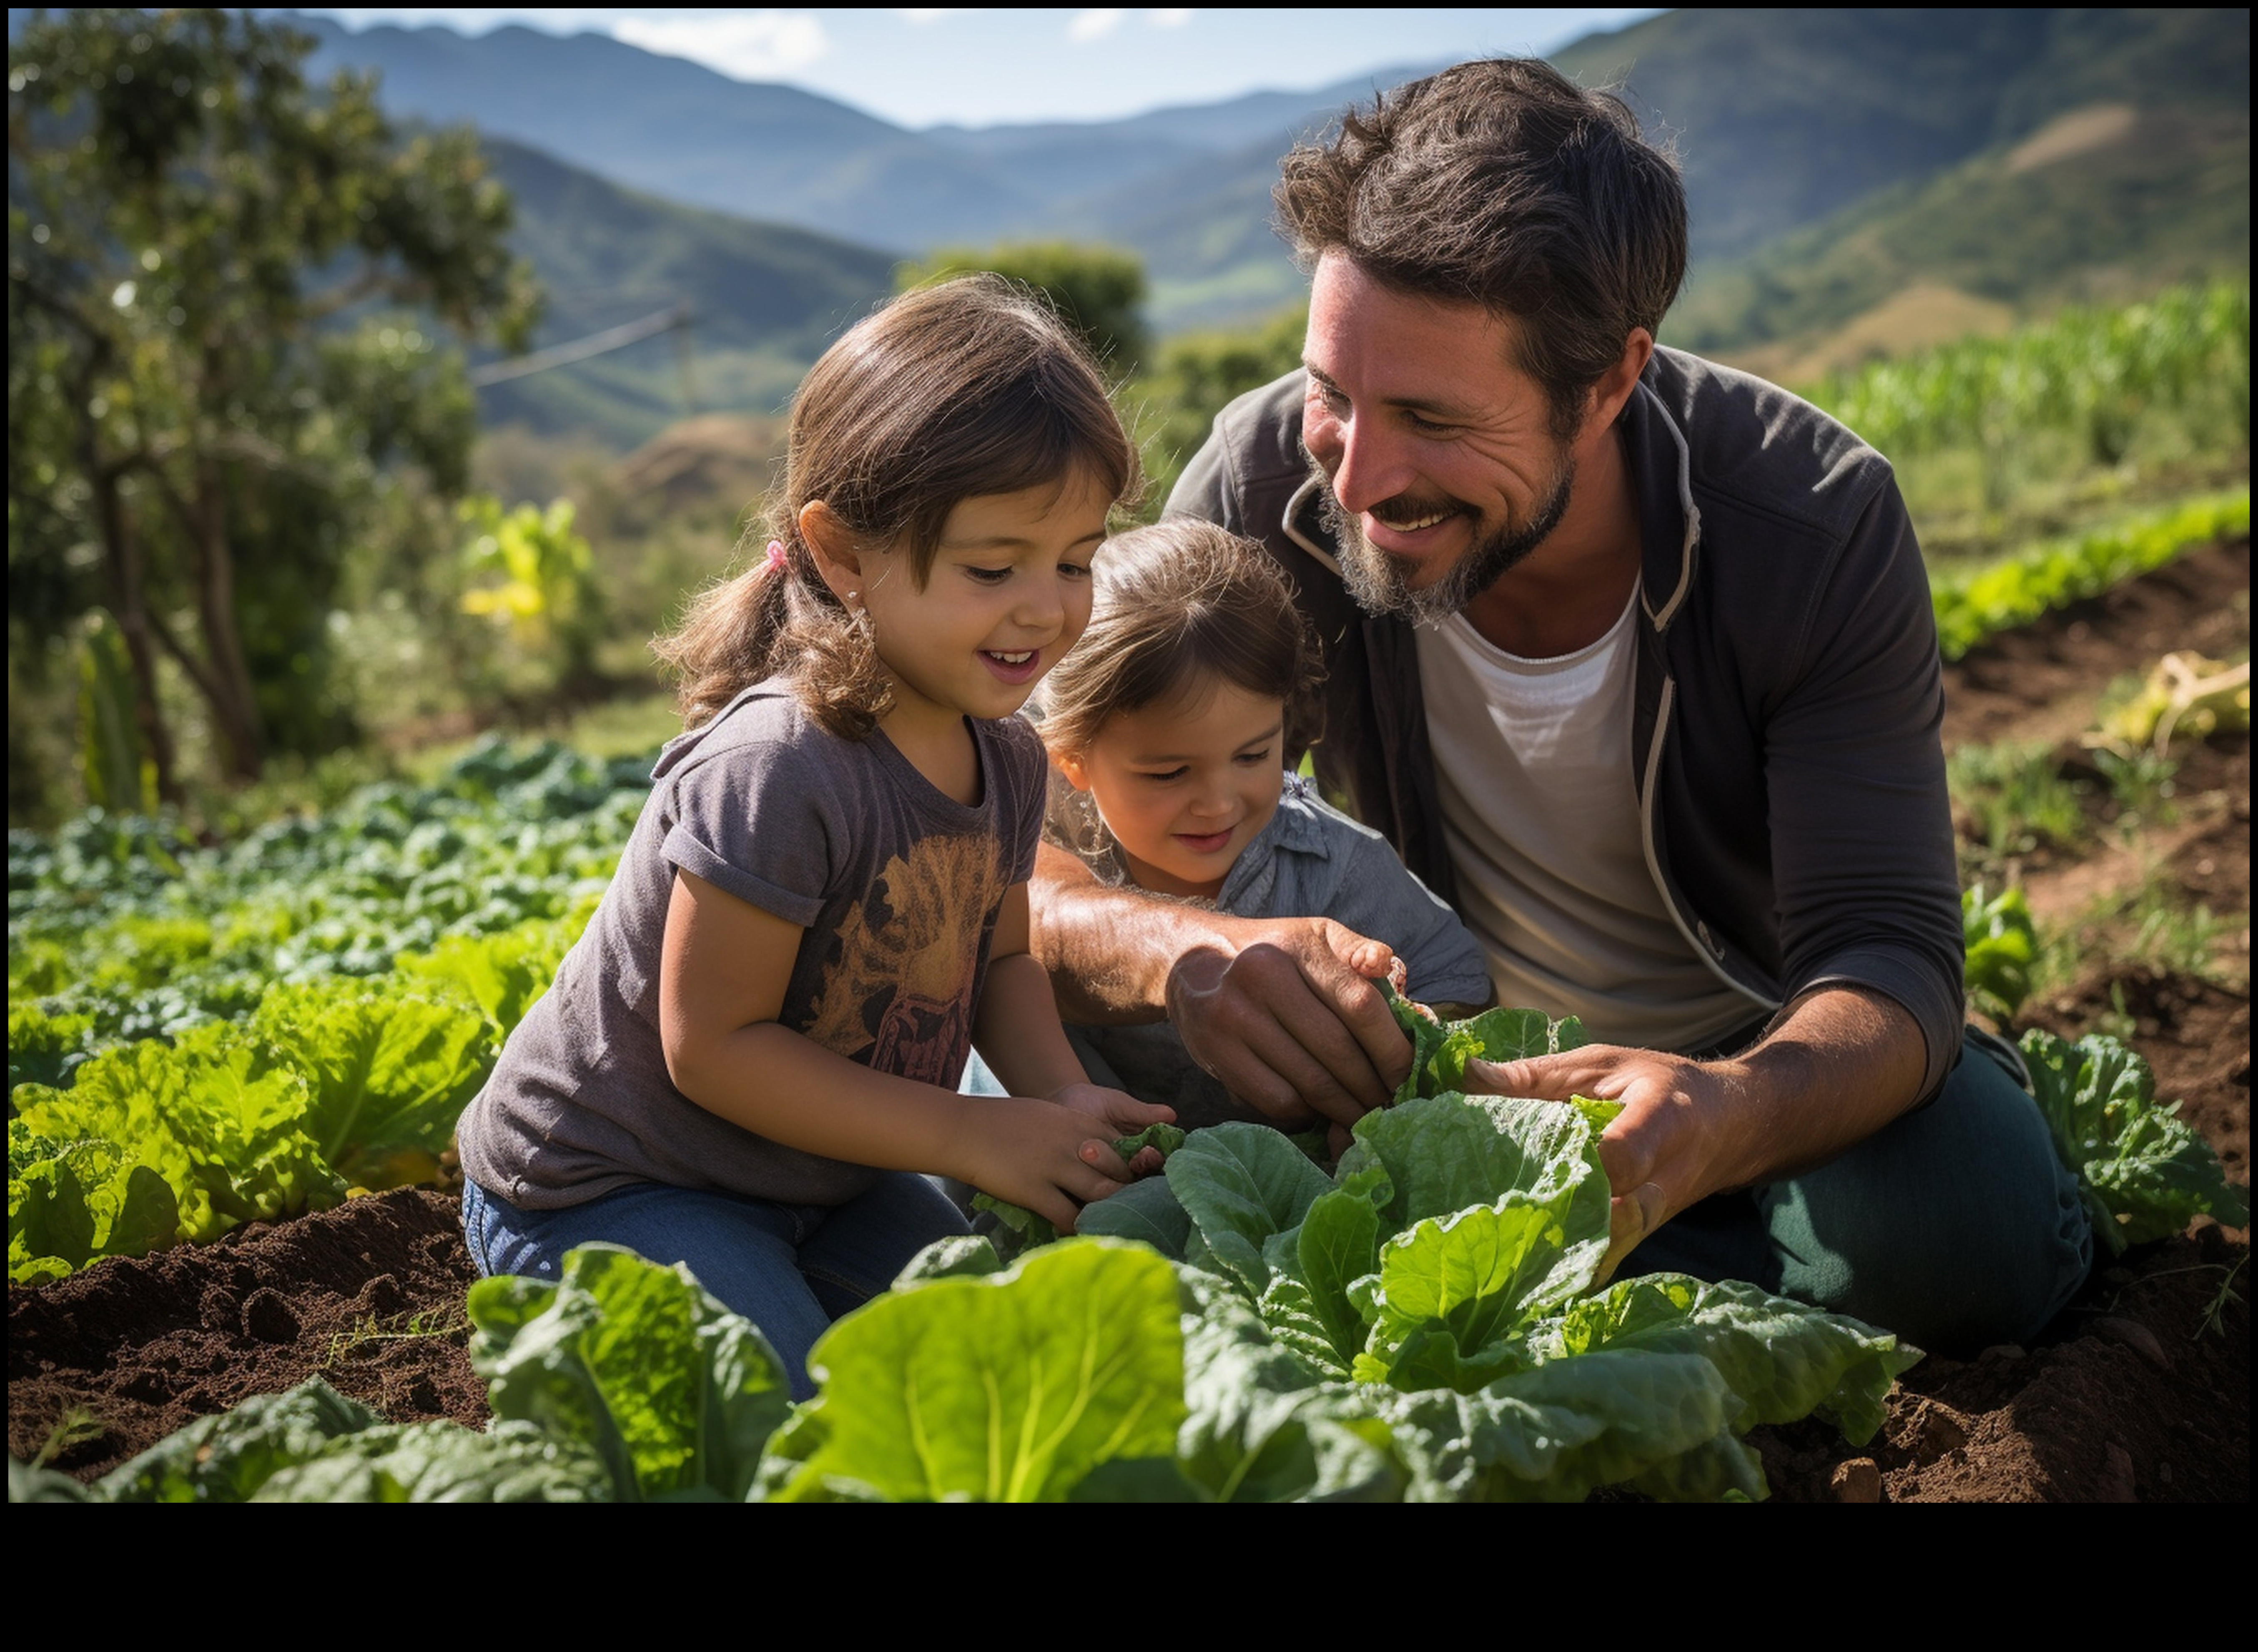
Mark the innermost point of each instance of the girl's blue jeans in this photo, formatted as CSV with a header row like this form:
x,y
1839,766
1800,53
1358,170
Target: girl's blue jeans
x,y
790,1269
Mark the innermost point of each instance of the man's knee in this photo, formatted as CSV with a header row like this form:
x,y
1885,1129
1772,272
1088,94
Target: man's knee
x,y
1957,1226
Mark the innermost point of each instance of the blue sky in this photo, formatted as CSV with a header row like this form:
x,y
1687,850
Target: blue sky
x,y
978,67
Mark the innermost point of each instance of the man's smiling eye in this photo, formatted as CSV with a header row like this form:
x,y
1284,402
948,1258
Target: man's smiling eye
x,y
1419,423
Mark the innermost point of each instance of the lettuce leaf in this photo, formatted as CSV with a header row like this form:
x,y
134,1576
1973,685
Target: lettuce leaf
x,y
228,1457
390,1072
2143,1173
1010,1388
69,1202
1783,1360
218,1121
444,1463
673,1394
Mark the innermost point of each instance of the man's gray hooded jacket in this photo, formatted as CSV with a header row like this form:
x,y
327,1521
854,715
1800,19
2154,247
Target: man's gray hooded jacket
x,y
1785,743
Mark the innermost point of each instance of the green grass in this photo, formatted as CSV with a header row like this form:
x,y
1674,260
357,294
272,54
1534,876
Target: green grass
x,y
2017,796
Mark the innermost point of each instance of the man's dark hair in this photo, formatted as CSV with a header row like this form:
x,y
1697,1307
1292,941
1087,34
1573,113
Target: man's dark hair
x,y
1504,182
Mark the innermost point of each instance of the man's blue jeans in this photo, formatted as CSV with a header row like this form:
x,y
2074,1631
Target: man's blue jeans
x,y
1957,1226
790,1269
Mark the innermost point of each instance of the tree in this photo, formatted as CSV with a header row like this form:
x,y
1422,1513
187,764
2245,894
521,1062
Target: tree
x,y
1100,292
213,273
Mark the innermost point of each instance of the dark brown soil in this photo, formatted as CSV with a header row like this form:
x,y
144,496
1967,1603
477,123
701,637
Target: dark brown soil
x,y
368,1296
2040,682
2135,1393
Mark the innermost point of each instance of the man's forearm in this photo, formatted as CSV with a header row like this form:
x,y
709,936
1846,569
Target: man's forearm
x,y
1110,950
1840,1066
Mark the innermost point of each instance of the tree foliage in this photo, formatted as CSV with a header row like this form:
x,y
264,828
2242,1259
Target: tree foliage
x,y
225,292
1098,290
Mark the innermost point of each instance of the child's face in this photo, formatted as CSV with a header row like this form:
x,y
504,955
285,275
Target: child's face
x,y
1007,595
1185,786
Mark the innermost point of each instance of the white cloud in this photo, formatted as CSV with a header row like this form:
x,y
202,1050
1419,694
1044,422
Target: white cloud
x,y
747,45
1096,22
1168,16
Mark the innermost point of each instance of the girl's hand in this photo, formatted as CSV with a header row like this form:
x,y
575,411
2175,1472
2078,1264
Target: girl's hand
x,y
1040,1154
1122,1113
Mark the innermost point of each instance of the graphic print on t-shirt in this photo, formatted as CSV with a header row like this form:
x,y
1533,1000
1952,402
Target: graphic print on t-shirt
x,y
902,979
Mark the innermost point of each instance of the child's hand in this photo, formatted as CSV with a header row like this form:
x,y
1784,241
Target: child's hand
x,y
1042,1156
1123,1113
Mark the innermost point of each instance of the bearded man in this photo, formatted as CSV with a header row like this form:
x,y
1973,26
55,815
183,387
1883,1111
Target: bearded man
x,y
1631,657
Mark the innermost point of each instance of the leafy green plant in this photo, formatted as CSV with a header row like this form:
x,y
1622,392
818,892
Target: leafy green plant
x,y
1973,607
2144,1174
2002,949
2017,796
636,1365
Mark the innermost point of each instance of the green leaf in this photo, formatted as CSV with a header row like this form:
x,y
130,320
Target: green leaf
x,y
1554,1432
69,1202
227,1458
2144,1174
1476,1277
42,1049
1242,1184
1783,1360
1426,1033
1017,1229
674,1393
1010,1388
444,1462
1444,1154
502,974
959,1256
389,1071
1146,1211
1338,1244
216,1118
1261,1428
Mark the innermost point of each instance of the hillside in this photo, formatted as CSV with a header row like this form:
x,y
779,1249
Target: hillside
x,y
766,299
1826,121
2118,161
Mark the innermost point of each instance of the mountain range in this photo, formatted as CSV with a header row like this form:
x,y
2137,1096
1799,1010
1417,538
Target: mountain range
x,y
1835,161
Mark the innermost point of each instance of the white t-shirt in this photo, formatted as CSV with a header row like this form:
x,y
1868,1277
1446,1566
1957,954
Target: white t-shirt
x,y
1540,811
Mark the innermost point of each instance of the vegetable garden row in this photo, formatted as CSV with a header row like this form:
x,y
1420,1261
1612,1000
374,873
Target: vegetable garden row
x,y
205,1036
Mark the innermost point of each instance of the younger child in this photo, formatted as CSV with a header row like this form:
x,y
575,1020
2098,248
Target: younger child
x,y
1169,725
753,1051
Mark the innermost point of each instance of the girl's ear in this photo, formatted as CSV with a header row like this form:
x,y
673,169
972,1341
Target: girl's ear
x,y
1071,766
831,544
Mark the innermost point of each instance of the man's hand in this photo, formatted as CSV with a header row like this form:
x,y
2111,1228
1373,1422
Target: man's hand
x,y
1663,1152
1285,1015
1836,1065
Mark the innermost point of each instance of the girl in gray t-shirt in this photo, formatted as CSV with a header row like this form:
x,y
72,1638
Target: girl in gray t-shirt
x,y
744,1062
1169,725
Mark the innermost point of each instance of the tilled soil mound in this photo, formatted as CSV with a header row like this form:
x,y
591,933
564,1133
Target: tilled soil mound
x,y
368,1296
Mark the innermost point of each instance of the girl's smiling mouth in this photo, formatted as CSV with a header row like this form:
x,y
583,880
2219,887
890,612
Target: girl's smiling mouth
x,y
1014,665
1204,843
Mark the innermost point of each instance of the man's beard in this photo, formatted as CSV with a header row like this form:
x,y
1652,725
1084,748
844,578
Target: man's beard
x,y
1381,582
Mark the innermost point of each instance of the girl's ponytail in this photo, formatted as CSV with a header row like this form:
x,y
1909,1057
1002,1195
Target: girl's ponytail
x,y
970,388
776,619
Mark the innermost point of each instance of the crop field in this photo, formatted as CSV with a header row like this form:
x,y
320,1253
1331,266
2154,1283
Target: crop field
x,y
234,1070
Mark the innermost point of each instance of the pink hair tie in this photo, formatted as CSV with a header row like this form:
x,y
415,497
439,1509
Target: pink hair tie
x,y
775,556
